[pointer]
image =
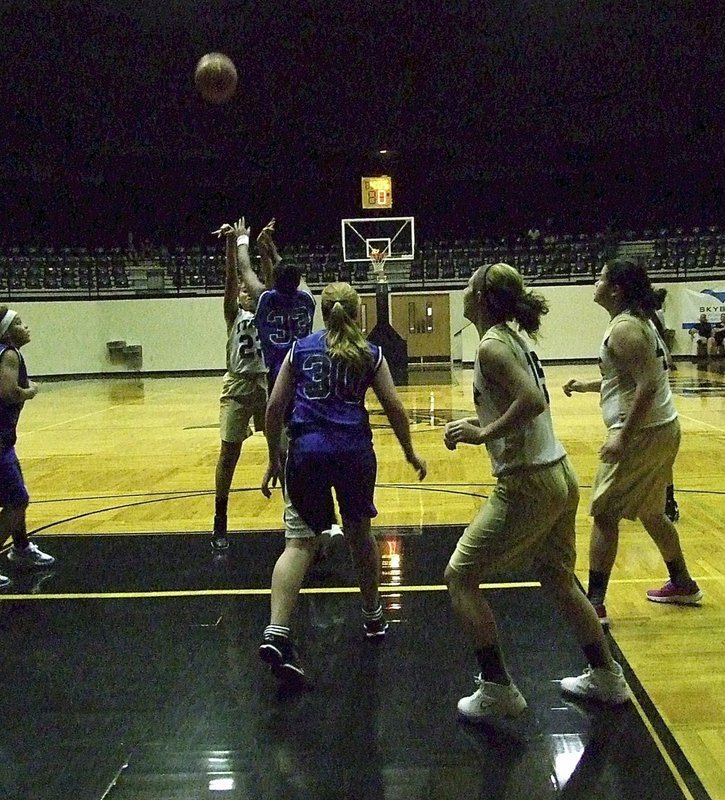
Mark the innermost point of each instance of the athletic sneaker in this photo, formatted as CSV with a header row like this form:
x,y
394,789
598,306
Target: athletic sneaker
x,y
4,581
597,683
219,541
601,610
689,595
491,700
281,655
30,556
672,511
374,623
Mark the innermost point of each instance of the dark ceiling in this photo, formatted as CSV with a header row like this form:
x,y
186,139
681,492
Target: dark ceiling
x,y
497,114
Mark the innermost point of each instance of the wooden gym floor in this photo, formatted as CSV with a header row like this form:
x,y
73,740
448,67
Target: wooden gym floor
x,y
130,668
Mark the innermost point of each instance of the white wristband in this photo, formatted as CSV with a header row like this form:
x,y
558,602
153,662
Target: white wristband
x,y
243,239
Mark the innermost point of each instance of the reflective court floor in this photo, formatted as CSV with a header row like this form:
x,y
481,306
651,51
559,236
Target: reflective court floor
x,y
131,671
131,667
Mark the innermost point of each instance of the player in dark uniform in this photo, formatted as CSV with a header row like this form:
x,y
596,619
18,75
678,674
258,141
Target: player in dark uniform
x,y
15,389
657,315
701,332
284,315
718,337
321,390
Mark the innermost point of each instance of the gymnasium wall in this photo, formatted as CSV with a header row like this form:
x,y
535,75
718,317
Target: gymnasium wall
x,y
188,334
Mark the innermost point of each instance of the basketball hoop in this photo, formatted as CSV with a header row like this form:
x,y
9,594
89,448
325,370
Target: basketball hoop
x,y
377,259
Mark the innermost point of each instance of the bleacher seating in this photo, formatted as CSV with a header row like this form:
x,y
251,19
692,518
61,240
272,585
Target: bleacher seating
x,y
678,253
36,271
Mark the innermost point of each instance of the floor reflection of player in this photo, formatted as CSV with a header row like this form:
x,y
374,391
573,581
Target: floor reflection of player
x,y
391,574
316,750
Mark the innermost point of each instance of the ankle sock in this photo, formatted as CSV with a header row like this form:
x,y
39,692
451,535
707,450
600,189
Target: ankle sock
x,y
678,572
493,669
596,656
373,616
277,630
598,582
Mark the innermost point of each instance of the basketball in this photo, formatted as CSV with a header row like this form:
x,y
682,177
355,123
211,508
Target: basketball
x,y
215,77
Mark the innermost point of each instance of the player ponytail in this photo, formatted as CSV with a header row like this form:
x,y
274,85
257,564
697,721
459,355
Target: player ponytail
x,y
638,295
340,305
506,297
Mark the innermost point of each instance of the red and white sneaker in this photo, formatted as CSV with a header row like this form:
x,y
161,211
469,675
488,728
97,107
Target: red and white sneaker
x,y
689,595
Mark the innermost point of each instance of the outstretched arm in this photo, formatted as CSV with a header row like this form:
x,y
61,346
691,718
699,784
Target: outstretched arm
x,y
384,389
268,252
575,385
231,278
246,274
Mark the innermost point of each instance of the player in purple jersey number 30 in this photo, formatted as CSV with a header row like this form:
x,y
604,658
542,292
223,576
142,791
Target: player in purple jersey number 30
x,y
321,390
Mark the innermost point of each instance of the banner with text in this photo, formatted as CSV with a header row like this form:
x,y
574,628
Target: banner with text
x,y
710,302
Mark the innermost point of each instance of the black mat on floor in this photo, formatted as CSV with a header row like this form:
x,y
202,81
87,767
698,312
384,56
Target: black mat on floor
x,y
164,697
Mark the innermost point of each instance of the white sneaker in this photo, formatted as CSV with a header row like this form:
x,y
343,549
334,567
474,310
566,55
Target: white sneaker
x,y
333,553
4,581
31,556
598,684
491,700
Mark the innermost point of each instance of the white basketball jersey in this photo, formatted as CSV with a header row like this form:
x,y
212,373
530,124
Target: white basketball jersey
x,y
533,444
244,353
617,392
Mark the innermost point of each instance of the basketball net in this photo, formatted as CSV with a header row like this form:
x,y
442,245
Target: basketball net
x,y
377,259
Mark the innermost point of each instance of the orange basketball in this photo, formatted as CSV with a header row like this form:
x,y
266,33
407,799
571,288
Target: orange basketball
x,y
216,77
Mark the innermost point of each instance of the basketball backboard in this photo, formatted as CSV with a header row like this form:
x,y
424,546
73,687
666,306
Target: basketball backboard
x,y
393,236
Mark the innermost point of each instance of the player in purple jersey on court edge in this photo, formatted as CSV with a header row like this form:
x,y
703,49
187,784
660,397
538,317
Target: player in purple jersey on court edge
x,y
15,389
320,390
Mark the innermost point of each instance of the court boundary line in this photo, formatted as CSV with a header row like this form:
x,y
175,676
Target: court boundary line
x,y
664,739
700,422
260,592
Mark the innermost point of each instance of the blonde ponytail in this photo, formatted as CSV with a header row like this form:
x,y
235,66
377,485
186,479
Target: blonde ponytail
x,y
345,341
